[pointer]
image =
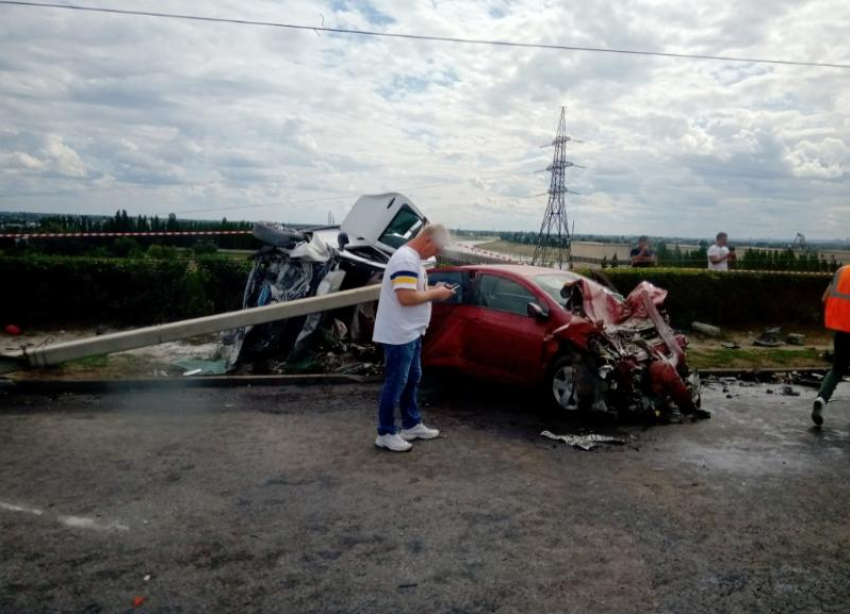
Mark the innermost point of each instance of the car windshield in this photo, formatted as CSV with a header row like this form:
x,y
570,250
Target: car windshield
x,y
551,285
404,227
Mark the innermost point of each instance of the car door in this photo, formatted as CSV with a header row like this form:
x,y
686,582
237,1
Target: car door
x,y
502,341
444,341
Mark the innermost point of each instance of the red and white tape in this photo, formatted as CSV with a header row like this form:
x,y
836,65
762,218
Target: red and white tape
x,y
86,235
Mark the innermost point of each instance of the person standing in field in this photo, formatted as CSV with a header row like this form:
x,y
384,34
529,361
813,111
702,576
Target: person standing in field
x,y
837,315
720,254
642,255
404,311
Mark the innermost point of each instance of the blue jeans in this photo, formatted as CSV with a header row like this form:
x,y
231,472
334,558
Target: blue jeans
x,y
402,374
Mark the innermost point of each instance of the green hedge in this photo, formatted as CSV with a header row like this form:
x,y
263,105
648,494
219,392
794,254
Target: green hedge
x,y
60,290
733,298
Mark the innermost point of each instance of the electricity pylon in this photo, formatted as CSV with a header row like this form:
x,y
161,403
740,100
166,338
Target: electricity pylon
x,y
554,243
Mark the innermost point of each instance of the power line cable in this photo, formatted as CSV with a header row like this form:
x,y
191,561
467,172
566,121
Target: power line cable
x,y
421,37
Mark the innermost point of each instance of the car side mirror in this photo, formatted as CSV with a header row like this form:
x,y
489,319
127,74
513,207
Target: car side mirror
x,y
536,311
343,240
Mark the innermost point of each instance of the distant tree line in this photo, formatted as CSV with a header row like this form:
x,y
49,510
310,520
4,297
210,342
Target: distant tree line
x,y
674,256
157,247
750,260
530,238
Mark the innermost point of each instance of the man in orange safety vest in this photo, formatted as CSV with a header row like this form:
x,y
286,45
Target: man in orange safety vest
x,y
837,301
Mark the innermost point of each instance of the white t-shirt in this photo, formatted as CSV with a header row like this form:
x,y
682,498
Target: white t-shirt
x,y
718,252
396,324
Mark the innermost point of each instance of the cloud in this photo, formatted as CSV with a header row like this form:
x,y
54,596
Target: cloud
x,y
63,159
19,160
172,115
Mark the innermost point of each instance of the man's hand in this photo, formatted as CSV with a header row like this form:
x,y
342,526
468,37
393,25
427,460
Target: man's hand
x,y
409,298
442,292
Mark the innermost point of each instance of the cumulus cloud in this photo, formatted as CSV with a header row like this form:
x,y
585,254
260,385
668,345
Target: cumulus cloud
x,y
63,159
181,116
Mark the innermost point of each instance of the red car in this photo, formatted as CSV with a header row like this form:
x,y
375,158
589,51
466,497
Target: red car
x,y
586,346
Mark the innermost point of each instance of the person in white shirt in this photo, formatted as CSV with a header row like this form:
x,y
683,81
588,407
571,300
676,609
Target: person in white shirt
x,y
719,254
404,311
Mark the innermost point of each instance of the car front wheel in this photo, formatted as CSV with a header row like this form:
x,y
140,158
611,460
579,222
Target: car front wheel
x,y
561,385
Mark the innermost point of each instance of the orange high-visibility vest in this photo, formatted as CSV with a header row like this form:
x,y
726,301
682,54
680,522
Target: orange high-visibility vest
x,y
838,301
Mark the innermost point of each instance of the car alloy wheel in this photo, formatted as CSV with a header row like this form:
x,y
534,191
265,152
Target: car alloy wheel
x,y
564,386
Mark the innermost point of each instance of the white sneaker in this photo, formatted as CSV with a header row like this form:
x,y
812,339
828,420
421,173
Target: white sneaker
x,y
393,442
420,431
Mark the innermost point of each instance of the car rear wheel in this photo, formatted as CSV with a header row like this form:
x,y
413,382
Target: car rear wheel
x,y
562,385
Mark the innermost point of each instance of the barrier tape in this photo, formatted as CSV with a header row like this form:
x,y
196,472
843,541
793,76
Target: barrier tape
x,y
85,235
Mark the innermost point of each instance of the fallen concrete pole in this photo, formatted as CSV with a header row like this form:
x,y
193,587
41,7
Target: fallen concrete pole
x,y
154,335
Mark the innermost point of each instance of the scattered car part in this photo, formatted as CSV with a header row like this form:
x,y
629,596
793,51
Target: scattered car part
x,y
769,338
706,329
584,442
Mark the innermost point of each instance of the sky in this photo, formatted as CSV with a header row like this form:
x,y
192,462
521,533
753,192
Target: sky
x,y
103,112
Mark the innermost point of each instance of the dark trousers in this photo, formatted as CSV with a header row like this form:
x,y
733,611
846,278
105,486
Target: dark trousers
x,y
840,365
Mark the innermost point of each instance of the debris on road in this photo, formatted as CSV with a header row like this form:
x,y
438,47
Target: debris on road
x,y
200,366
13,330
139,601
706,329
769,338
809,380
584,442
789,391
795,339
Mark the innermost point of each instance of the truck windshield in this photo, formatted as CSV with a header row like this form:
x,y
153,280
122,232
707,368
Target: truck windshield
x,y
402,229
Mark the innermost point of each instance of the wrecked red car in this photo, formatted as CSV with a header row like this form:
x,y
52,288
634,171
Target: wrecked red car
x,y
584,345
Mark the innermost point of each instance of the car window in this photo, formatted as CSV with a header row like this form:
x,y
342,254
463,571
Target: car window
x,y
402,229
552,285
502,294
451,278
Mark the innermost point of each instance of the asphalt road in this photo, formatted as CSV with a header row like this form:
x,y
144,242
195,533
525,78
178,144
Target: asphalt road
x,y
275,500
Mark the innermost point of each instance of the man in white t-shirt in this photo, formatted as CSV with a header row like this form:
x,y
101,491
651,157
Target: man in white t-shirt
x,y
404,311
719,254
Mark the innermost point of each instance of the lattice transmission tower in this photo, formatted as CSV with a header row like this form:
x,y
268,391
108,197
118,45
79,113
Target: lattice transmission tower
x,y
554,243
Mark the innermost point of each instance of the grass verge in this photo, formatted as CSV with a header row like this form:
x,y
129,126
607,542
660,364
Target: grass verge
x,y
755,359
